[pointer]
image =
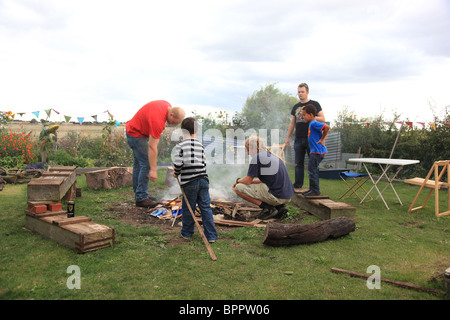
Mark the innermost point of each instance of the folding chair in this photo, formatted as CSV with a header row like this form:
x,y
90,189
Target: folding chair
x,y
434,185
359,179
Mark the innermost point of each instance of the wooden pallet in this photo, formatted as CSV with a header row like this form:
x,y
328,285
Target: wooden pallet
x,y
78,233
57,183
323,207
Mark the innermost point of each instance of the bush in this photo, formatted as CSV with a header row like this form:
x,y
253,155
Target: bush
x,y
17,146
62,158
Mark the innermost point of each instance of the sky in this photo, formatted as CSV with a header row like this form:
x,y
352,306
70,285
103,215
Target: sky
x,y
84,57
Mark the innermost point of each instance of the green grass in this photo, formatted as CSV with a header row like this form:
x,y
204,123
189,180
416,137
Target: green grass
x,y
408,247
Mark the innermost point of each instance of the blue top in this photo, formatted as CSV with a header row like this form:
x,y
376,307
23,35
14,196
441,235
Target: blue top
x,y
272,171
314,135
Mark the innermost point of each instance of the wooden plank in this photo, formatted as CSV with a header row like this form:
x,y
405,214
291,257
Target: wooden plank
x,y
71,220
234,223
46,214
420,181
324,208
62,168
396,283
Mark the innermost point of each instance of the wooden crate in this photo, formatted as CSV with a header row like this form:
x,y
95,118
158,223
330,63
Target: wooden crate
x,y
78,233
53,185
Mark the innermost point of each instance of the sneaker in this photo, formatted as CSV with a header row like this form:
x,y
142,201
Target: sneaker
x,y
281,210
147,203
212,241
303,192
268,213
311,193
185,238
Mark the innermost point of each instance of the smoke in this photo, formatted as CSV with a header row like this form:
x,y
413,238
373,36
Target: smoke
x,y
221,180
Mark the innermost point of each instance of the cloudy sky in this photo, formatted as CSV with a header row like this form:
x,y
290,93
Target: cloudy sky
x,y
86,56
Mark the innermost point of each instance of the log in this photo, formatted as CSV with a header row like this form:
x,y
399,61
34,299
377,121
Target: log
x,y
279,234
109,178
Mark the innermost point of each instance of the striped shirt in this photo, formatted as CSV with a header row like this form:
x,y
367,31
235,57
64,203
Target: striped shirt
x,y
189,161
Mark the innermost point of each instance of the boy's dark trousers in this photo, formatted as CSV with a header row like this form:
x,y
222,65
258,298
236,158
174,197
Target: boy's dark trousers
x,y
313,171
197,192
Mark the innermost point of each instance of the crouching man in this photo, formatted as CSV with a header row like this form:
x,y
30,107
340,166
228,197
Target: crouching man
x,y
267,183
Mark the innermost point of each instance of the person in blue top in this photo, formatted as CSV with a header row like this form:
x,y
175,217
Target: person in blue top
x,y
267,183
317,133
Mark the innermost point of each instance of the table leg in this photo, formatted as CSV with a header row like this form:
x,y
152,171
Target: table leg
x,y
375,184
391,184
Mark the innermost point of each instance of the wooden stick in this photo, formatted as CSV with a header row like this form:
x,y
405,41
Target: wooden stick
x,y
205,241
396,283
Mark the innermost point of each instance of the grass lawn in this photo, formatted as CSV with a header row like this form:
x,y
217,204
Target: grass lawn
x,y
407,247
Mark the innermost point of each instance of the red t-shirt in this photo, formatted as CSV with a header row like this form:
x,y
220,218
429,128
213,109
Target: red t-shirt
x,y
150,120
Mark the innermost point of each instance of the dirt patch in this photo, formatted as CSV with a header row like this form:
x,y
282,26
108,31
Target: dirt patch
x,y
138,217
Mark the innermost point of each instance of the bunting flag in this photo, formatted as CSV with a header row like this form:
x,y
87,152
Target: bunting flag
x,y
117,123
36,113
67,118
95,117
80,120
21,114
433,125
48,111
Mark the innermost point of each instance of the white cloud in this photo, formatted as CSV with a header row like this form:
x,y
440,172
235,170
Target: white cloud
x,y
84,57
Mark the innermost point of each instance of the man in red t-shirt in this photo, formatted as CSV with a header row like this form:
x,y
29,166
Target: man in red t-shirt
x,y
143,133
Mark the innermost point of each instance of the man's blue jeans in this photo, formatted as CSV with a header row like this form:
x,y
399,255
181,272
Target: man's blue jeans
x,y
301,148
141,166
197,193
313,171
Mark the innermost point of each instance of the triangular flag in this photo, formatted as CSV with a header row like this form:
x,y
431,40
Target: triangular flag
x,y
55,111
80,120
433,125
36,113
67,118
95,117
409,124
21,113
117,123
422,123
447,124
48,111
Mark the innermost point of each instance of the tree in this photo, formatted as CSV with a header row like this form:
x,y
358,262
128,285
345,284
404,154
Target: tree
x,y
267,108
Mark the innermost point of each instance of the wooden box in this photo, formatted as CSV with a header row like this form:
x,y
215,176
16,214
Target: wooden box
x,y
53,185
78,233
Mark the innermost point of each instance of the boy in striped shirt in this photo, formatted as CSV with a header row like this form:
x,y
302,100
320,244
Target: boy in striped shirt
x,y
190,165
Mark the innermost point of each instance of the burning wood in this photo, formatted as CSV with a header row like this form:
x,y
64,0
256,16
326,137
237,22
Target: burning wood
x,y
223,210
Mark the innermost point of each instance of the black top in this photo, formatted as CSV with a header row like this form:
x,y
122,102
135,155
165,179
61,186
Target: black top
x,y
301,127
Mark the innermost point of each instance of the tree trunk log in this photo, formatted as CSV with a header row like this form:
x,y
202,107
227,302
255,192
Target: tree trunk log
x,y
279,234
109,178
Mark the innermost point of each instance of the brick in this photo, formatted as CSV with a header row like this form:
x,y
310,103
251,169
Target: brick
x,y
42,208
54,207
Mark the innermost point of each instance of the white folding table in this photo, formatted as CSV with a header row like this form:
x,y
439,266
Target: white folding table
x,y
385,165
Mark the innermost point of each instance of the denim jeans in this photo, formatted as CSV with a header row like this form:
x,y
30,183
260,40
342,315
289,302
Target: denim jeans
x,y
141,166
313,171
301,148
197,193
